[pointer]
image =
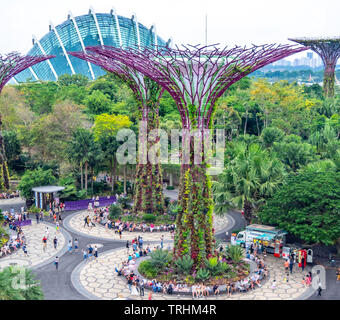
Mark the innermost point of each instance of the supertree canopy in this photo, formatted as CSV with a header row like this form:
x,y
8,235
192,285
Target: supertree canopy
x,y
10,65
329,51
196,77
148,195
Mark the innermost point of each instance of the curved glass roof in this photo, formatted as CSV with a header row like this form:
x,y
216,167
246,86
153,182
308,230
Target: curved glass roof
x,y
78,32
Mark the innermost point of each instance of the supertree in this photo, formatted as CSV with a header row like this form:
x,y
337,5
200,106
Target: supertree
x,y
329,51
148,192
196,77
10,65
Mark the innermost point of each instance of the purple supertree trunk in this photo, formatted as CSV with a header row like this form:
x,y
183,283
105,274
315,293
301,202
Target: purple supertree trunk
x,y
10,65
148,193
196,77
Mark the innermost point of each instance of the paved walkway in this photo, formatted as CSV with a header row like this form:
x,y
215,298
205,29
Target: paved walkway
x,y
75,223
97,279
36,255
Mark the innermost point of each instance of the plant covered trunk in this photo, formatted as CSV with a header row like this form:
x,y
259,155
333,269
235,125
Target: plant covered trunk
x,y
148,194
4,174
194,231
86,177
248,211
81,176
329,80
113,174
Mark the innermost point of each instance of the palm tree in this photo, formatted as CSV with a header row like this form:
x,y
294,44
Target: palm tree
x,y
83,149
249,178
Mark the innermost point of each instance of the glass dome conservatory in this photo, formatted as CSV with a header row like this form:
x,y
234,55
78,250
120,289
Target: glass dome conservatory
x,y
75,34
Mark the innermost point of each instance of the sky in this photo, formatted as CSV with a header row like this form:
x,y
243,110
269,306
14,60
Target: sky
x,y
229,22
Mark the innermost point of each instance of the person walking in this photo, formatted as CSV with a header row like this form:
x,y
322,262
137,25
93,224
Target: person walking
x,y
55,242
162,241
44,240
86,221
37,217
69,245
24,249
84,254
95,252
56,262
141,288
127,246
291,264
57,227
319,289
76,245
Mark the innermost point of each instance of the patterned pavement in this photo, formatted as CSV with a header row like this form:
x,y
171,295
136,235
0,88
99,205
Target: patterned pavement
x,y
75,223
36,255
97,279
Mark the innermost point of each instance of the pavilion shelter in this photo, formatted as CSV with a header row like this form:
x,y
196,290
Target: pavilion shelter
x,y
45,196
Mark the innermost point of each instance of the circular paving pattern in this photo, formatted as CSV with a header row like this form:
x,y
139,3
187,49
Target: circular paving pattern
x,y
36,255
75,223
97,279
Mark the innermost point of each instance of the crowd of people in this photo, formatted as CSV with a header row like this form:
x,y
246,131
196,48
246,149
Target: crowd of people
x,y
15,241
101,216
6,195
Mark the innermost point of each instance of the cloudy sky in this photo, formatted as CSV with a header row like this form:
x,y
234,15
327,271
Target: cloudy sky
x,y
230,22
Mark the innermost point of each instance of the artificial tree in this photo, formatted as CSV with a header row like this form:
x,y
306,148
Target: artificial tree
x,y
148,193
196,77
10,65
329,51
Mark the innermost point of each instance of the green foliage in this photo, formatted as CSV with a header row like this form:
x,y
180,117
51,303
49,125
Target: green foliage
x,y
184,264
115,211
97,103
147,269
124,202
35,178
9,276
202,274
307,206
235,253
148,217
270,135
160,258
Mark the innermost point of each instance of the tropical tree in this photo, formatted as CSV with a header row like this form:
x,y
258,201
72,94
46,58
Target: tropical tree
x,y
105,130
248,180
35,178
29,289
308,206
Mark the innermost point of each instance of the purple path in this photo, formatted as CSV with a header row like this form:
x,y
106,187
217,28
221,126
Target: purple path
x,y
83,204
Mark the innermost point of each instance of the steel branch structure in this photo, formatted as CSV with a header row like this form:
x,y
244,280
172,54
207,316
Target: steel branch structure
x,y
10,65
196,77
329,51
148,195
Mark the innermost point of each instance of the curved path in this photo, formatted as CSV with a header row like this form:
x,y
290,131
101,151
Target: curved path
x,y
68,283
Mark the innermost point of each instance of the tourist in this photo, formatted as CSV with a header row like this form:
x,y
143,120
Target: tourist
x,y
286,264
84,254
162,240
274,284
150,296
141,288
319,289
56,262
95,252
216,290
24,249
76,245
69,246
57,227
44,240
37,217
90,250
338,274
127,246
55,242
86,220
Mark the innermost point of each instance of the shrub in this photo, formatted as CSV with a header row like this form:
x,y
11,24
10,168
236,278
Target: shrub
x,y
124,202
159,258
115,211
148,217
235,253
184,264
170,188
202,274
147,269
34,209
